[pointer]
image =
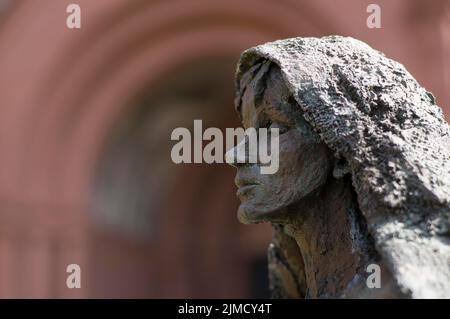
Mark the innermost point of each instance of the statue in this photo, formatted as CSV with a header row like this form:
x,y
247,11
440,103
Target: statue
x,y
364,171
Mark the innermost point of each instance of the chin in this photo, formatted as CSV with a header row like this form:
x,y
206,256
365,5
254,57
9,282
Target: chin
x,y
249,214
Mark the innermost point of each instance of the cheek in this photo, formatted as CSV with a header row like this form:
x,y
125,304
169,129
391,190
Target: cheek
x,y
282,183
293,151
315,168
303,166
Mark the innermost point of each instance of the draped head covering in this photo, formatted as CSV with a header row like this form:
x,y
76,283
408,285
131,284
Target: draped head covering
x,y
369,110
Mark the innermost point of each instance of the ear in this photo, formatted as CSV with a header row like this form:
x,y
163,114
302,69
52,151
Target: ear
x,y
340,168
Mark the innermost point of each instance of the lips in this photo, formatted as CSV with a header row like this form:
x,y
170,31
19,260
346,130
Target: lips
x,y
244,184
243,190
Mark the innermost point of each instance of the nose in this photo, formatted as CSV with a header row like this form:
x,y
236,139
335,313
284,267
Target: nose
x,y
237,156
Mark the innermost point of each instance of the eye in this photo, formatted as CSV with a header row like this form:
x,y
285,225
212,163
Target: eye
x,y
266,123
281,127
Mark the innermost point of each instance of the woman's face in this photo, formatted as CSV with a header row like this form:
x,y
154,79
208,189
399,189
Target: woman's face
x,y
304,160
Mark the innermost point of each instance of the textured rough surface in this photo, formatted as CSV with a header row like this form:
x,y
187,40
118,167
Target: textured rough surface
x,y
371,112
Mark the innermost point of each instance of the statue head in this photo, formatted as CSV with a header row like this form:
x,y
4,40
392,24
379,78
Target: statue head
x,y
336,100
304,159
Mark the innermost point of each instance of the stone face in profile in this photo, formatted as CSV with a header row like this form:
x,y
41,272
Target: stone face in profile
x,y
364,171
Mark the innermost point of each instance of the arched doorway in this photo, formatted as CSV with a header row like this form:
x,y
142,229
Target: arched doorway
x,y
67,98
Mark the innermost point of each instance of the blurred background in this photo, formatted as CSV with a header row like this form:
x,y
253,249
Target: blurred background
x,y
85,121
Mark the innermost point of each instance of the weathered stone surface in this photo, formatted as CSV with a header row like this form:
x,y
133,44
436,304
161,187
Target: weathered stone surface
x,y
386,198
